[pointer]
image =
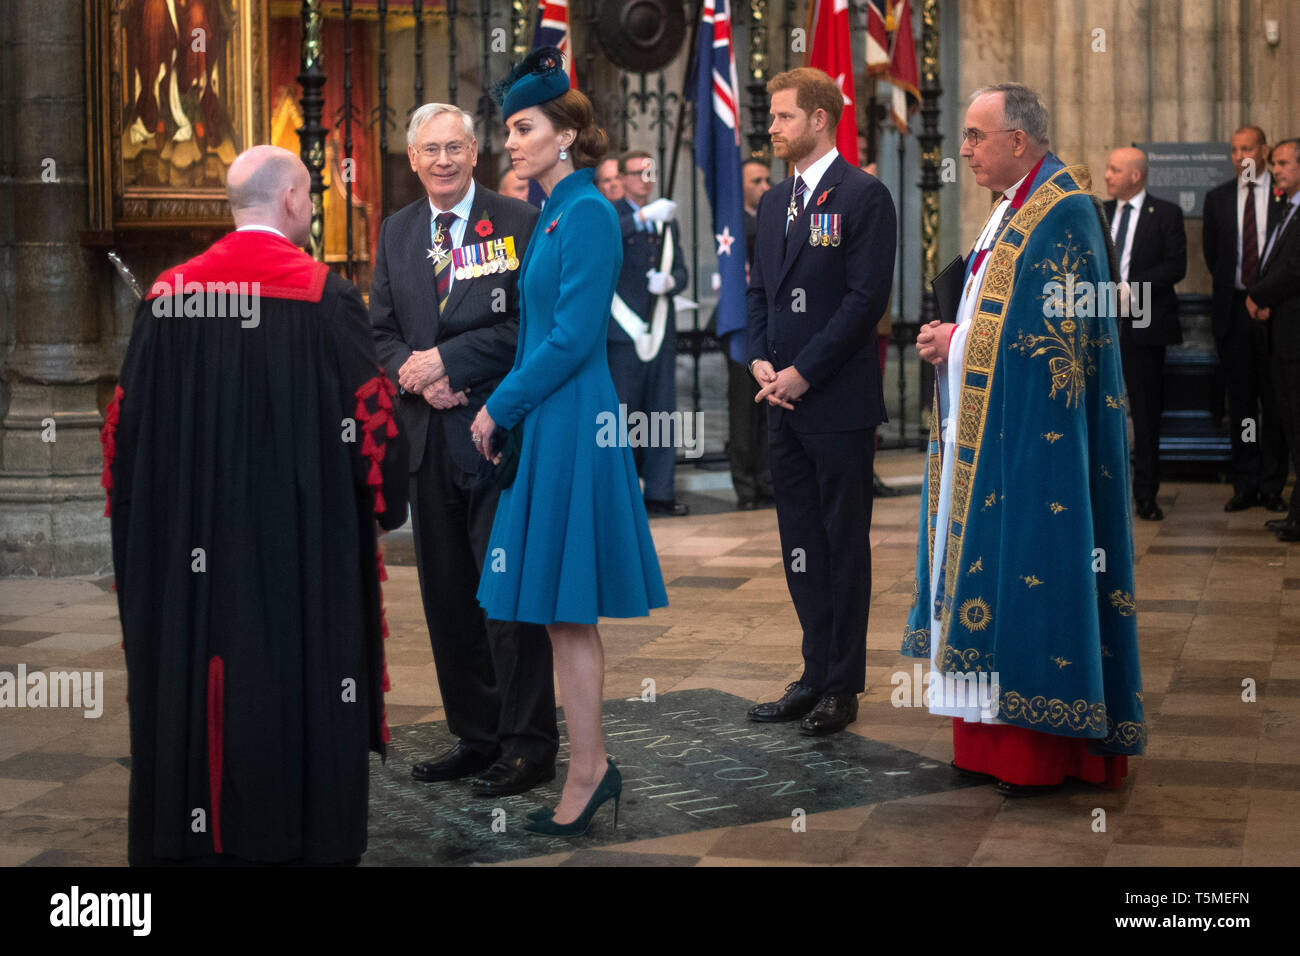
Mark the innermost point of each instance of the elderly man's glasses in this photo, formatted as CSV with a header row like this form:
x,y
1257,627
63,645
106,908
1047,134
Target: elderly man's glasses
x,y
976,136
434,150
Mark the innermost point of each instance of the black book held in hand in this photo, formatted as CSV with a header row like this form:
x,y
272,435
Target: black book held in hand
x,y
947,289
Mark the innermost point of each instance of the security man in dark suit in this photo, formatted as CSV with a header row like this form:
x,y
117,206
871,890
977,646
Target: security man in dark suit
x,y
818,284
643,367
1238,215
1275,302
445,317
1151,245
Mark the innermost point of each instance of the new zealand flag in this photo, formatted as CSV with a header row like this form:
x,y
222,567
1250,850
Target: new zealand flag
x,y
717,153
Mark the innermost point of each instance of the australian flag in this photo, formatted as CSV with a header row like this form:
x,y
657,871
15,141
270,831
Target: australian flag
x,y
717,153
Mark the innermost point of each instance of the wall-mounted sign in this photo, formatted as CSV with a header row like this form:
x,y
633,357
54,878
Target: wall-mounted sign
x,y
1183,172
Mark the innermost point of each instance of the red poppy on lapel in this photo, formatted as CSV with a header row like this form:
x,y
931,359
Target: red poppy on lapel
x,y
553,223
484,227
822,198
1277,192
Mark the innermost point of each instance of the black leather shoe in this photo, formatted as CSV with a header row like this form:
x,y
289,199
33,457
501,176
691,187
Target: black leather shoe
x,y
1288,532
669,509
1276,524
1024,790
511,775
1240,502
832,714
799,699
1148,510
972,774
1273,503
460,761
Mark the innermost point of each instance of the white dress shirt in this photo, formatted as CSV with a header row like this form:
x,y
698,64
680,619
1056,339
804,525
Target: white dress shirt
x,y
814,173
1125,253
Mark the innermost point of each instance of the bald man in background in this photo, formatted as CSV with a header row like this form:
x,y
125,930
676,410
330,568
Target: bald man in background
x,y
249,452
1151,245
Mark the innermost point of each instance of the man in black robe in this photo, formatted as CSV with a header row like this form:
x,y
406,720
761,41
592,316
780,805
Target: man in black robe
x,y
249,451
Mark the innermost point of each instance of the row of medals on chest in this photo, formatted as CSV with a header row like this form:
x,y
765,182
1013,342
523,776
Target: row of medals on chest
x,y
500,256
823,228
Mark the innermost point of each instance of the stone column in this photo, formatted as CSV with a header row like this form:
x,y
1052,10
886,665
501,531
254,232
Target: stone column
x,y
51,504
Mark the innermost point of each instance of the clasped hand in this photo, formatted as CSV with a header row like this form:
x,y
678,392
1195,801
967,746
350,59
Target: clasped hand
x,y
933,340
421,370
1257,312
441,397
779,388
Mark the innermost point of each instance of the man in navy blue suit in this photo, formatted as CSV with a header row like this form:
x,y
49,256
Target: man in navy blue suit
x,y
818,284
642,340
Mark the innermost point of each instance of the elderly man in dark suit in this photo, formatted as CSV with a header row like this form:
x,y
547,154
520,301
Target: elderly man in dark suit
x,y
818,284
1151,245
445,317
642,339
1275,301
1237,218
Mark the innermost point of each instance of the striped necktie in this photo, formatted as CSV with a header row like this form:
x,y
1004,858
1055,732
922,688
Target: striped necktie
x,y
441,230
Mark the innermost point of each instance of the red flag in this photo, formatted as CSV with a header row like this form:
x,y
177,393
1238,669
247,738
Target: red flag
x,y
902,68
879,25
829,28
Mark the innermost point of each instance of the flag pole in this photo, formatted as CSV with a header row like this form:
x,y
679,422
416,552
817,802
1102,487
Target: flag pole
x,y
691,66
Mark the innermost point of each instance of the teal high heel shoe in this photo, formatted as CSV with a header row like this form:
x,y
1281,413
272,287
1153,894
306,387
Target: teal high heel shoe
x,y
545,813
610,787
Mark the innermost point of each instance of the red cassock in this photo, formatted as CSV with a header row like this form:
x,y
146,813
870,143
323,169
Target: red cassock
x,y
249,454
1029,758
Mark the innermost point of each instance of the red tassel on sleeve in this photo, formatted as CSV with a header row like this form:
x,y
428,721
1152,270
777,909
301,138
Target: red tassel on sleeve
x,y
108,438
382,390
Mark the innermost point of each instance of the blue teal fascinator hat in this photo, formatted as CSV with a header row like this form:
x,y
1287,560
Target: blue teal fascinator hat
x,y
539,77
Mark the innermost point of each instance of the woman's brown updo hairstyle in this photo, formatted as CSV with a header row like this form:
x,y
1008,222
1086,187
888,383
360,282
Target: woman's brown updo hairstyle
x,y
572,110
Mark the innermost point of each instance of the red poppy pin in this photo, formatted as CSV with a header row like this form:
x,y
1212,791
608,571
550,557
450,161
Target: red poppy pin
x,y
822,198
483,227
553,224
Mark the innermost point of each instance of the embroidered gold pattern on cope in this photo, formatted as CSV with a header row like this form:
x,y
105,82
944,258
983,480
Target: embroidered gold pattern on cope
x,y
980,360
1079,715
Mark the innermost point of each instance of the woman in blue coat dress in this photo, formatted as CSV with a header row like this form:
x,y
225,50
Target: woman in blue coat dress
x,y
570,541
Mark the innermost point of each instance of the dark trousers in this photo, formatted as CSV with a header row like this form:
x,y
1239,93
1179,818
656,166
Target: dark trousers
x,y
1144,378
1259,465
495,676
751,471
649,387
1286,382
823,510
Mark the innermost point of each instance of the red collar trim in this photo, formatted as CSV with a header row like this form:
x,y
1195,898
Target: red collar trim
x,y
281,269
1026,187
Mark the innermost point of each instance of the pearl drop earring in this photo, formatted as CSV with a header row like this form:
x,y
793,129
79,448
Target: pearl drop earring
x,y
563,154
